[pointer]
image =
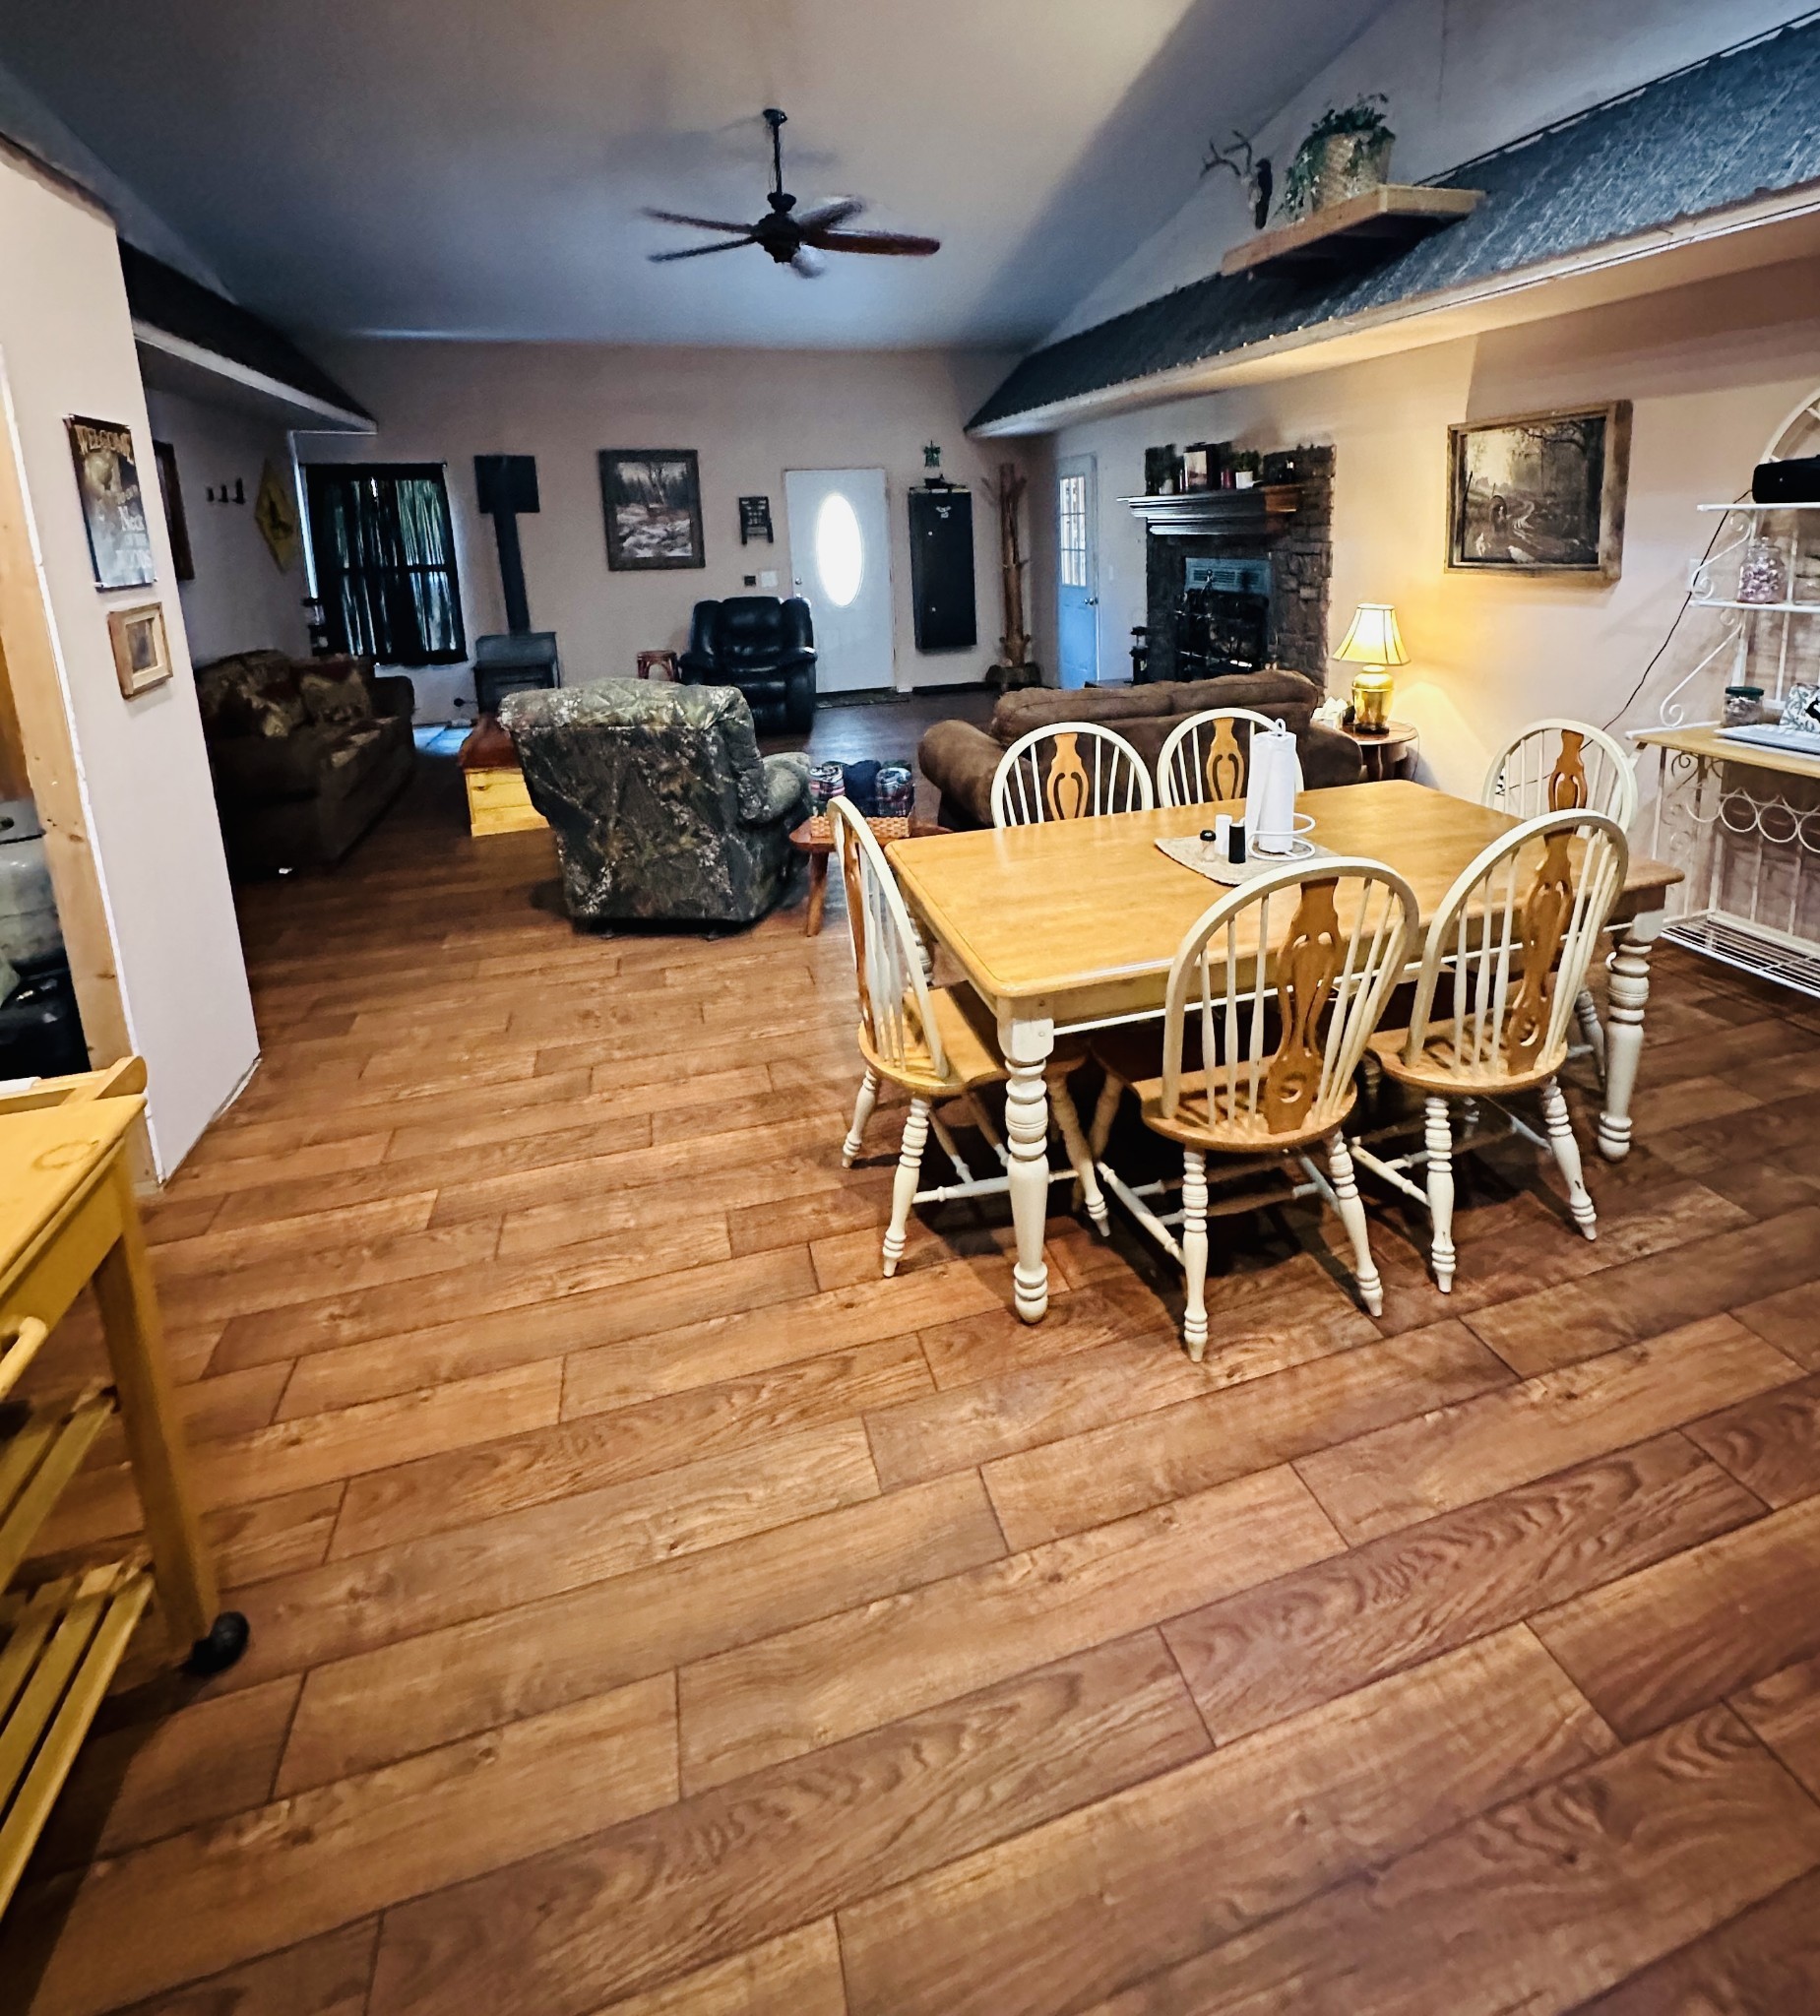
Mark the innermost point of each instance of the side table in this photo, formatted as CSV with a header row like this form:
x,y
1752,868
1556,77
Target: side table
x,y
815,837
1392,754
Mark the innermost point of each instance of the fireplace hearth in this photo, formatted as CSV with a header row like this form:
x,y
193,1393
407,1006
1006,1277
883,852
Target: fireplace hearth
x,y
1228,591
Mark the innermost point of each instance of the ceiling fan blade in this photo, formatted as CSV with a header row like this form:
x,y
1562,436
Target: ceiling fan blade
x,y
897,244
808,264
698,251
701,224
824,217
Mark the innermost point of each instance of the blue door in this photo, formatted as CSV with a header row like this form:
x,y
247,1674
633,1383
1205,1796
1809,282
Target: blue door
x,y
1076,573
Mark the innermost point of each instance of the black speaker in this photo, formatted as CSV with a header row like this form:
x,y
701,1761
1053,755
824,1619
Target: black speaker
x,y
1796,481
505,483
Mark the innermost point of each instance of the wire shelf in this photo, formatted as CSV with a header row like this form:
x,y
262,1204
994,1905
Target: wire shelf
x,y
1750,947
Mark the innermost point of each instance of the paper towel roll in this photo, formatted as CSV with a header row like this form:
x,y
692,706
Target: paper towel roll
x,y
1272,780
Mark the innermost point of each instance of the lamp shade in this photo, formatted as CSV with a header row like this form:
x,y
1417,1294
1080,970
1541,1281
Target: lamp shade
x,y
1374,639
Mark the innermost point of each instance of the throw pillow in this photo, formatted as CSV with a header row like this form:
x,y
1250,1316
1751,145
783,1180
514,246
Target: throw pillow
x,y
336,700
276,708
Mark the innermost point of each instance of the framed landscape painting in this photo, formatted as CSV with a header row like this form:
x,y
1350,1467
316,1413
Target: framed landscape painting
x,y
113,507
1540,493
652,501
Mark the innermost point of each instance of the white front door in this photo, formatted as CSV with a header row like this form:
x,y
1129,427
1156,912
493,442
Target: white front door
x,y
840,535
1077,570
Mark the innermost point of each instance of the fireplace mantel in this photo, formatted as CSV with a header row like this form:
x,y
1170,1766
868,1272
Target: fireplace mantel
x,y
1218,514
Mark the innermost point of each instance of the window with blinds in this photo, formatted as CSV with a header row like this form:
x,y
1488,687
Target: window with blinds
x,y
384,548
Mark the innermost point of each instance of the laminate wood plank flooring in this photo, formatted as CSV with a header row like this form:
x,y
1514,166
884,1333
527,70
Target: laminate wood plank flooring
x,y
657,1613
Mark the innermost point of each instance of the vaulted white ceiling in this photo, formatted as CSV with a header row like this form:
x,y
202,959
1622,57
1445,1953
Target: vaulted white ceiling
x,y
467,169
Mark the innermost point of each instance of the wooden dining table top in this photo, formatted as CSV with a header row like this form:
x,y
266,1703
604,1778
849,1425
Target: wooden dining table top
x,y
1093,908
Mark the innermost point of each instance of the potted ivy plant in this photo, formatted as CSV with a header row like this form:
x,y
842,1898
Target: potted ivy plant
x,y
1346,153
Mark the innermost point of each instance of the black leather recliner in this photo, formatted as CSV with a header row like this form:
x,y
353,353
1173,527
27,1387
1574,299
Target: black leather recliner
x,y
763,646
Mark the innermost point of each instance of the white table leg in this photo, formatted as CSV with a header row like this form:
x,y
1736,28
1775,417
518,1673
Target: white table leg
x,y
1026,1044
1629,995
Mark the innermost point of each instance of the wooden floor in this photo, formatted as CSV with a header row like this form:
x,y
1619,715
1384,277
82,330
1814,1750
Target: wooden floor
x,y
653,1610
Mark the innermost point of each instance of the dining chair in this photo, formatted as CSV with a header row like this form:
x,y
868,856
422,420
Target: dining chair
x,y
1502,965
1558,765
938,1043
1280,1040
1069,770
1206,760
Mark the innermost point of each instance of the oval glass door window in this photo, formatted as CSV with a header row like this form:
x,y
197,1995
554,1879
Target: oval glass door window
x,y
839,550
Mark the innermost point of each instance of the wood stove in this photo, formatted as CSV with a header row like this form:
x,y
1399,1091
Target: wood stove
x,y
512,661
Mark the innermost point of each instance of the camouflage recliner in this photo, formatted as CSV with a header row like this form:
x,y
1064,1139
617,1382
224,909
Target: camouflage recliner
x,y
662,808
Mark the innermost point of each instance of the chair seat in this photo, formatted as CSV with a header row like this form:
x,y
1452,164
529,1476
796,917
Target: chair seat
x,y
970,1044
1200,1120
1434,1070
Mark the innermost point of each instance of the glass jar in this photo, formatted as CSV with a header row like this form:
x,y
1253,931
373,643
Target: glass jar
x,y
1763,573
1743,706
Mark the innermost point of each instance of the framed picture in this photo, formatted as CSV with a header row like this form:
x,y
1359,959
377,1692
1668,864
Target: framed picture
x,y
755,520
113,508
1539,493
653,500
177,521
142,658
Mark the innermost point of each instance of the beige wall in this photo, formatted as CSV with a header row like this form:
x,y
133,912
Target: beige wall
x,y
751,414
66,346
238,600
1712,371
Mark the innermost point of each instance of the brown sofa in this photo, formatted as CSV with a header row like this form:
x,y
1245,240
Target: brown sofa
x,y
305,754
960,759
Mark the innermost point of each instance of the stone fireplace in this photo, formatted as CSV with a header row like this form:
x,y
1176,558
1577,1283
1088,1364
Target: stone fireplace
x,y
1223,564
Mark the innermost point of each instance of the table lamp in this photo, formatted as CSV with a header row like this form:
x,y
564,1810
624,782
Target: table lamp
x,y
1375,643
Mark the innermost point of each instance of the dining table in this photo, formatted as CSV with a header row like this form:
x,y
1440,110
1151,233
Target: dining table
x,y
1072,924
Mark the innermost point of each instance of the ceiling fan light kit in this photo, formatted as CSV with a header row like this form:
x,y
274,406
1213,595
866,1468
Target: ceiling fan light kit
x,y
793,238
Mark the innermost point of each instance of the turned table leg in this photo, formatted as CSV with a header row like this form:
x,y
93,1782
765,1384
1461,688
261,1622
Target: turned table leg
x,y
818,895
149,1416
1026,1044
1629,995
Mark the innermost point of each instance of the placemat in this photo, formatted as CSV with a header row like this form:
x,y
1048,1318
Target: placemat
x,y
1199,856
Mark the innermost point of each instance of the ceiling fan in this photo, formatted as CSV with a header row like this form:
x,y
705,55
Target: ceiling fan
x,y
795,239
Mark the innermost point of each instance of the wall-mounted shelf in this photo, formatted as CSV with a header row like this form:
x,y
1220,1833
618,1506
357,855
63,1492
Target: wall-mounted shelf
x,y
1384,221
1218,514
1757,509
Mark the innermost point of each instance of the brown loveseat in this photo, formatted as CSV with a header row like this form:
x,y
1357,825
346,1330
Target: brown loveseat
x,y
305,754
958,759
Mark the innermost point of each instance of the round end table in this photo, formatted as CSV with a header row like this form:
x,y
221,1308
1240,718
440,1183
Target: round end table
x,y
1393,753
815,837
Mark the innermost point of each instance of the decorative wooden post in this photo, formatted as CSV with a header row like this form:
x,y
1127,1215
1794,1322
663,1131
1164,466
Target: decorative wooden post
x,y
1014,667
